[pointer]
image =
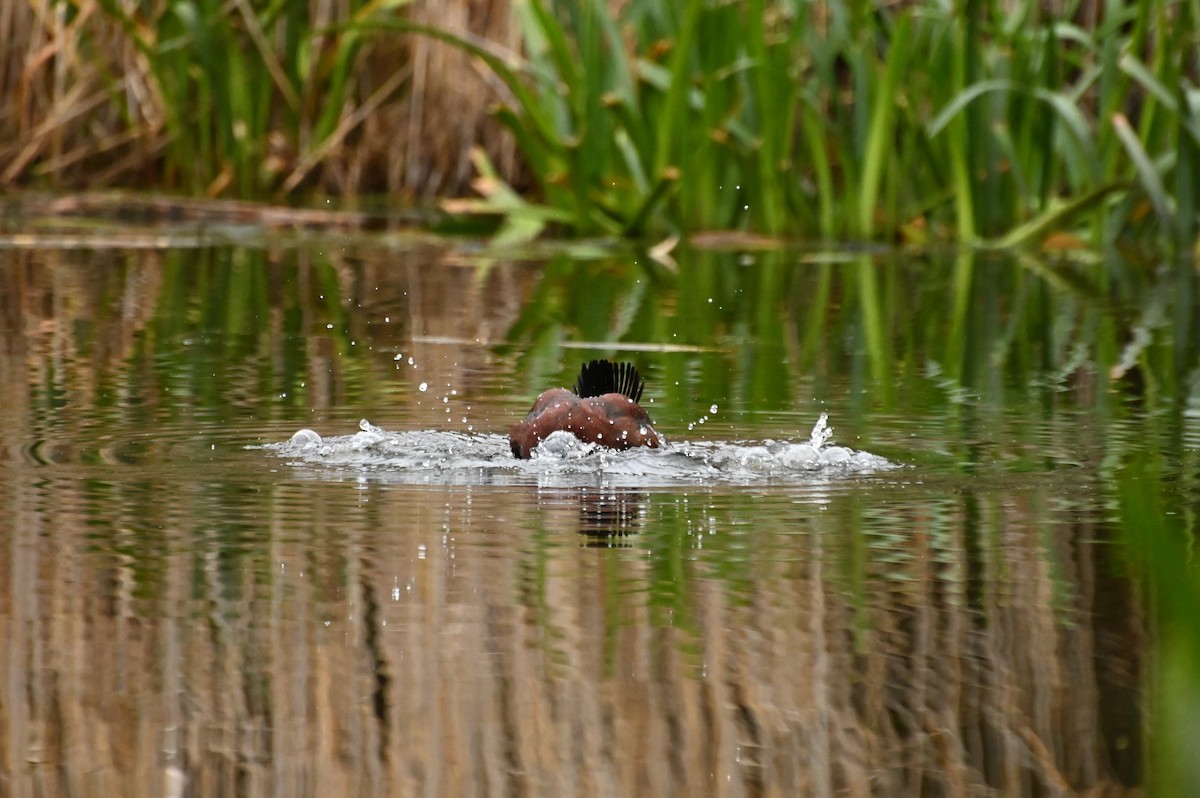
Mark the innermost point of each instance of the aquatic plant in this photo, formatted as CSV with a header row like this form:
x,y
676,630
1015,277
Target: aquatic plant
x,y
237,99
995,122
858,120
239,85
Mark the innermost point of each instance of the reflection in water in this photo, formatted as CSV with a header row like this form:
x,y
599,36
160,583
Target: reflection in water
x,y
603,517
387,639
605,513
184,615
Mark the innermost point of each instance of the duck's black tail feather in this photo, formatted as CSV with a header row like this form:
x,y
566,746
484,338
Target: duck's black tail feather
x,y
602,376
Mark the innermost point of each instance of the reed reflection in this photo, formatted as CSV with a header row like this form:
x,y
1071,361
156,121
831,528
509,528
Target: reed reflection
x,y
397,640
185,616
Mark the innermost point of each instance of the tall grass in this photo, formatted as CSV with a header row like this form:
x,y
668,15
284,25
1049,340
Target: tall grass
x,y
240,99
979,121
862,120
255,96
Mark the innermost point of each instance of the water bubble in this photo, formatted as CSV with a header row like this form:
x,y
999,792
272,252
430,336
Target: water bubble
x,y
305,437
835,454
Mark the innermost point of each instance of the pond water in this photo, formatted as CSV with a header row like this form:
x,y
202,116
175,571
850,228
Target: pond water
x,y
969,589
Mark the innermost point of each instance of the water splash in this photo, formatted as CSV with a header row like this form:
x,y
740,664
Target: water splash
x,y
821,432
432,456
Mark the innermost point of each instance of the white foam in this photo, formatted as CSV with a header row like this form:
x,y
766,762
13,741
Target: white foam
x,y
455,457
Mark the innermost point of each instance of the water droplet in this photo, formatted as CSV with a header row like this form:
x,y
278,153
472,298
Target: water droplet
x,y
423,387
712,408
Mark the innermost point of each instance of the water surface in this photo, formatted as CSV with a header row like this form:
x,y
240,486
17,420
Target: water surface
x,y
195,605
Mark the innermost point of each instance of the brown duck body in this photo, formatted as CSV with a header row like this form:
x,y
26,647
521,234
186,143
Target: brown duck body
x,y
602,410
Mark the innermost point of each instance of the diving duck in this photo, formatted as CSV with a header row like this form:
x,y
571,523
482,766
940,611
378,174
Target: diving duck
x,y
603,409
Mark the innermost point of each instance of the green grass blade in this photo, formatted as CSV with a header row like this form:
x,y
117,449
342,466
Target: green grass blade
x,y
882,125
1148,175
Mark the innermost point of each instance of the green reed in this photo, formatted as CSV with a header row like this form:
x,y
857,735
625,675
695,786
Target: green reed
x,y
252,94
983,121
993,121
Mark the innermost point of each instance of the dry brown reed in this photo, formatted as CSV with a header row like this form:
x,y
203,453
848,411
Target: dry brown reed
x,y
80,108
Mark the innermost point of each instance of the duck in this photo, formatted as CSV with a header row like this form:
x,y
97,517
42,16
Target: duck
x,y
602,409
